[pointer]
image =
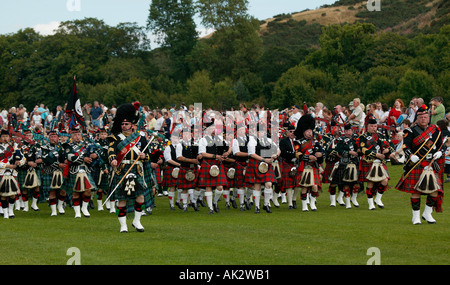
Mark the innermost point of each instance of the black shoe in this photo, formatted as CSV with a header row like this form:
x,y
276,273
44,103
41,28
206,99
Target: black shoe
x,y
227,206
216,207
257,211
290,208
139,230
243,208
194,205
91,204
179,205
268,210
247,205
172,208
233,203
211,211
294,204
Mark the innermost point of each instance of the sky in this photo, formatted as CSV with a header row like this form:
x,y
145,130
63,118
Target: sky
x,y
45,15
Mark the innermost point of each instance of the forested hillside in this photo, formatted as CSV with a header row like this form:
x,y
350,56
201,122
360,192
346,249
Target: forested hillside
x,y
331,54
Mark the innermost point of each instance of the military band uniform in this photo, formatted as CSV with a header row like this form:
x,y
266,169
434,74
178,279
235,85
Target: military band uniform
x,y
289,170
10,158
186,155
372,166
171,167
52,177
211,150
346,173
30,175
262,151
78,182
422,148
240,153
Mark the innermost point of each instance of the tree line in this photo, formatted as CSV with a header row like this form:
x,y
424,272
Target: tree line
x,y
116,64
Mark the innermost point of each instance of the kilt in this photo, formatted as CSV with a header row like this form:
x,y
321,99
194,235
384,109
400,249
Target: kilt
x,y
204,179
183,183
226,167
104,183
158,175
317,180
239,177
253,176
288,181
326,173
22,174
69,183
10,193
339,176
120,194
46,183
364,168
410,182
168,180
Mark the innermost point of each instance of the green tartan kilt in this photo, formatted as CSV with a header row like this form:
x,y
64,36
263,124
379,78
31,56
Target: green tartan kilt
x,y
120,194
22,174
104,183
69,183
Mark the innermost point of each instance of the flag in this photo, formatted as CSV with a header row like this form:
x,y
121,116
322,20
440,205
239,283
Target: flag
x,y
73,108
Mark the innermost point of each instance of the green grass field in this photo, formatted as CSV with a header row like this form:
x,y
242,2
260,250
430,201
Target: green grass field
x,y
330,236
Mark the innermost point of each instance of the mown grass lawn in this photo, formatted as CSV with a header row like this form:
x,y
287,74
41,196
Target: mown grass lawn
x,y
330,236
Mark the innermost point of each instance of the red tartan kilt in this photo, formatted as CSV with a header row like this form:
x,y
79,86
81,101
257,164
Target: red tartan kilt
x,y
288,181
326,173
183,183
317,181
204,179
253,176
158,174
239,177
364,168
411,181
226,167
168,180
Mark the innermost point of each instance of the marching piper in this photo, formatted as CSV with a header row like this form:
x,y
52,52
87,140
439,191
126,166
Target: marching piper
x,y
52,178
212,173
78,180
240,153
422,147
345,172
331,158
310,153
372,166
289,163
29,175
127,150
171,170
187,156
101,168
10,158
260,173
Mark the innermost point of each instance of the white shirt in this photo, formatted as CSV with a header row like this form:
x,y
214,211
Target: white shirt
x,y
159,123
252,145
203,143
235,147
168,152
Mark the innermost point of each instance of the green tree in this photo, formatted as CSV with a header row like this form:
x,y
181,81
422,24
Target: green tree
x,y
173,23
